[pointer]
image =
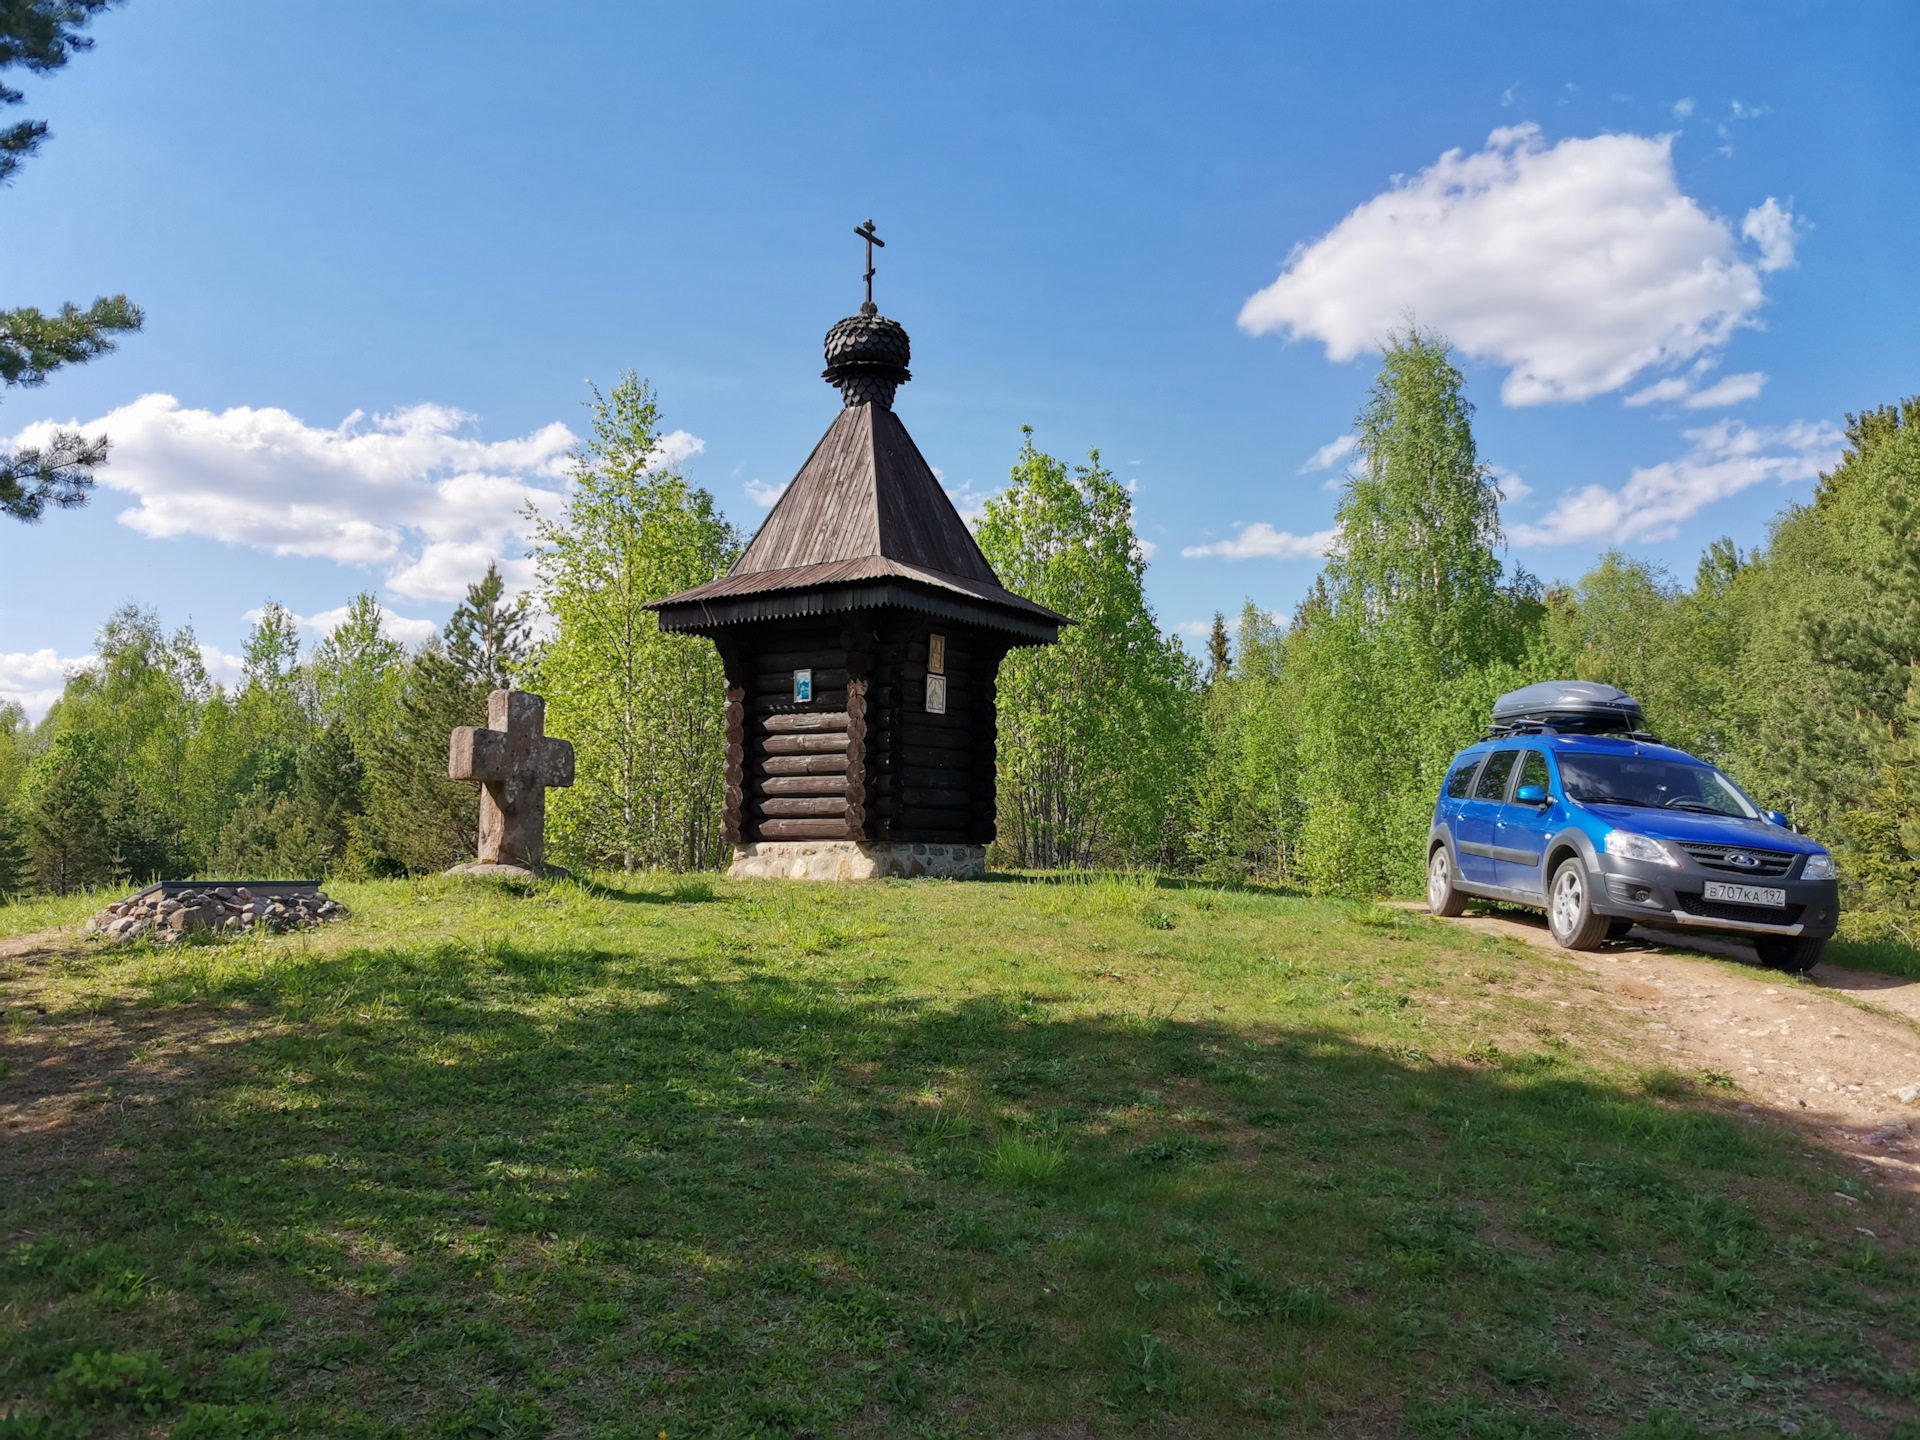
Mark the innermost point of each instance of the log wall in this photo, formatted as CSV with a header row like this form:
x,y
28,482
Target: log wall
x,y
864,759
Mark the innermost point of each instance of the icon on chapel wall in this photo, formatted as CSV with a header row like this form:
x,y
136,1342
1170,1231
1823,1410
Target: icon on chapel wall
x,y
803,687
936,674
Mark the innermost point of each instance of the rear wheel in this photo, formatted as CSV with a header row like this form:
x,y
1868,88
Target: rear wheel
x,y
1570,909
1442,897
1795,954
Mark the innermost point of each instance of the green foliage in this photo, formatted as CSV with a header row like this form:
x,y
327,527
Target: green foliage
x,y
1413,627
357,673
66,830
489,638
645,710
1094,731
416,818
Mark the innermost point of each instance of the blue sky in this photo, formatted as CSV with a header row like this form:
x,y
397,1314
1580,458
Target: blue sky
x,y
1670,240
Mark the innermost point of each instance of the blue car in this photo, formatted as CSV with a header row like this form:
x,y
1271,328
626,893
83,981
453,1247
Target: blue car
x,y
1569,806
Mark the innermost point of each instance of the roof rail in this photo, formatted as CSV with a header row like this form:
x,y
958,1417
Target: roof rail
x,y
1518,727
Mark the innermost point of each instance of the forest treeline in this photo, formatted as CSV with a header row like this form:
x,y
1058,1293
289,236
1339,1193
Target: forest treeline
x,y
1303,748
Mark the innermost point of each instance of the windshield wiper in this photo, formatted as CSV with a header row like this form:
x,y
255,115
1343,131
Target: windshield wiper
x,y
1687,802
1612,800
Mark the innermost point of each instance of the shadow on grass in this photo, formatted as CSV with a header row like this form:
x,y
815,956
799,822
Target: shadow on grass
x,y
459,1192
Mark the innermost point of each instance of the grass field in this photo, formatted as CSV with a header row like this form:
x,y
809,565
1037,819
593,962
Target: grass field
x,y
1031,1156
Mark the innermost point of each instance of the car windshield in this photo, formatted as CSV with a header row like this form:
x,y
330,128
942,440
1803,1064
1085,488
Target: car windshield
x,y
1658,784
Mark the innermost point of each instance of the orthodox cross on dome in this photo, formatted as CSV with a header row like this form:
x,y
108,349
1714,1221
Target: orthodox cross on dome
x,y
515,761
865,232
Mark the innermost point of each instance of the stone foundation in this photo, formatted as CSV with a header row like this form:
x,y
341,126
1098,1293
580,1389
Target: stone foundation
x,y
855,860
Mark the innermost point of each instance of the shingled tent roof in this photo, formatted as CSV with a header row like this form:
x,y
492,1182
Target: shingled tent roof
x,y
865,507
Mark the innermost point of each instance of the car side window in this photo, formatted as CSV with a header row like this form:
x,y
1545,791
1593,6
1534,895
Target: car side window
x,y
1460,782
1533,771
1493,775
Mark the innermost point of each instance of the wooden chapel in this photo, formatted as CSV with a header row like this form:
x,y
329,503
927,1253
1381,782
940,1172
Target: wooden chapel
x,y
861,633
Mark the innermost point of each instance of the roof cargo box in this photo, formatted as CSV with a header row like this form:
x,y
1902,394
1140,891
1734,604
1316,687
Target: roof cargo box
x,y
1575,707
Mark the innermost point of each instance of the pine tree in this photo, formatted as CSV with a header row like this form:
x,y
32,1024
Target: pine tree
x,y
645,710
40,36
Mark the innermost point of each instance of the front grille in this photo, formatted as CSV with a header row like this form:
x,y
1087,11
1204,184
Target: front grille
x,y
1721,910
1714,857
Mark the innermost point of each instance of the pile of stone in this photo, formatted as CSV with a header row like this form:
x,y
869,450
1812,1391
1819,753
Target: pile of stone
x,y
166,913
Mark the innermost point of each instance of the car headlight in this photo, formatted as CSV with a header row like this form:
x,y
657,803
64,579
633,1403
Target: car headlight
x,y
1820,867
1629,846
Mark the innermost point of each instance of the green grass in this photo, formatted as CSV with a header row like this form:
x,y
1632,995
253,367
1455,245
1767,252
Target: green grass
x,y
1105,1156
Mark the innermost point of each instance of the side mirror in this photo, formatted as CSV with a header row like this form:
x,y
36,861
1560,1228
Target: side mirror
x,y
1531,795
1774,817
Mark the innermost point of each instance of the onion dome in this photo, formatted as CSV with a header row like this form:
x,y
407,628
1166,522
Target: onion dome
x,y
867,358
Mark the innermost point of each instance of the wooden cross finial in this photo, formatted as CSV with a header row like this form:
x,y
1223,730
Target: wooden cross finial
x,y
865,232
515,760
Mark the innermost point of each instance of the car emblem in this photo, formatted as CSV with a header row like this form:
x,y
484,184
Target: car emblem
x,y
1742,859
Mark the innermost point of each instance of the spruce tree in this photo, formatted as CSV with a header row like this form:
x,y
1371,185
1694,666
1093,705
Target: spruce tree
x,y
489,639
66,836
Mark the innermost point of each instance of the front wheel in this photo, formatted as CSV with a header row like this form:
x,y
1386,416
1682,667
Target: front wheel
x,y
1570,909
1795,954
1442,897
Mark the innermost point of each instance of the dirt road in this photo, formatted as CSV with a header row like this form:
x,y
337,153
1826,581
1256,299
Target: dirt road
x,y
1826,1052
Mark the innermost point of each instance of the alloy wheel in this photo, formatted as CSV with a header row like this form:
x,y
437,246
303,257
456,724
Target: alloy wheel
x,y
1568,899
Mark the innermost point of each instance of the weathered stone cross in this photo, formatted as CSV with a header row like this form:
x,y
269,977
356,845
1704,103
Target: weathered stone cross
x,y
515,762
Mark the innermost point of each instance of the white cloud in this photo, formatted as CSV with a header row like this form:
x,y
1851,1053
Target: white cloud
x,y
408,493
971,503
1727,457
34,679
765,495
1728,390
1198,629
403,628
1577,265
1682,109
1260,541
1148,548
1770,225
222,668
1329,454
1512,487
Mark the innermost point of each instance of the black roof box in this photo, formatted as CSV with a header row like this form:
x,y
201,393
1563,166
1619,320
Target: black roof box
x,y
1578,707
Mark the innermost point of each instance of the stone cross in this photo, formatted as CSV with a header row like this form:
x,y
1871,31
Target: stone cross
x,y
515,762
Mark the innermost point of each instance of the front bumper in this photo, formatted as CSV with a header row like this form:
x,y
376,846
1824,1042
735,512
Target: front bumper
x,y
1662,895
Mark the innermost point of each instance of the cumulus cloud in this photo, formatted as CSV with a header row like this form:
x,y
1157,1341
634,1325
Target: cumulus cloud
x,y
1577,266
1329,454
1726,458
408,492
33,679
321,624
1260,541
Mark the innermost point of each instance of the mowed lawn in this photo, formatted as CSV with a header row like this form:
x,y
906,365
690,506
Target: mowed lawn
x,y
1030,1156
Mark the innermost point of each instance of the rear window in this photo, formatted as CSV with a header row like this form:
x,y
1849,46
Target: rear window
x,y
1460,782
1493,779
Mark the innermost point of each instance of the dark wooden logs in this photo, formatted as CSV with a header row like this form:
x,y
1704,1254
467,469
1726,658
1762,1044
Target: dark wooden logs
x,y
802,785
803,744
826,699
984,820
732,820
804,764
805,722
804,805
803,830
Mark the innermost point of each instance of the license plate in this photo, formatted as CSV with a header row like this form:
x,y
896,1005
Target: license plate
x,y
1746,894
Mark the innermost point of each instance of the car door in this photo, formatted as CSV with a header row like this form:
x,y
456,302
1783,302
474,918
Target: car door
x,y
1521,835
1479,822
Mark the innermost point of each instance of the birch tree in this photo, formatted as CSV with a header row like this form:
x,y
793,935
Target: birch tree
x,y
645,710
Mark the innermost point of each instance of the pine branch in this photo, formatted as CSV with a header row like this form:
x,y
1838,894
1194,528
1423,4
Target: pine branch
x,y
33,345
33,478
